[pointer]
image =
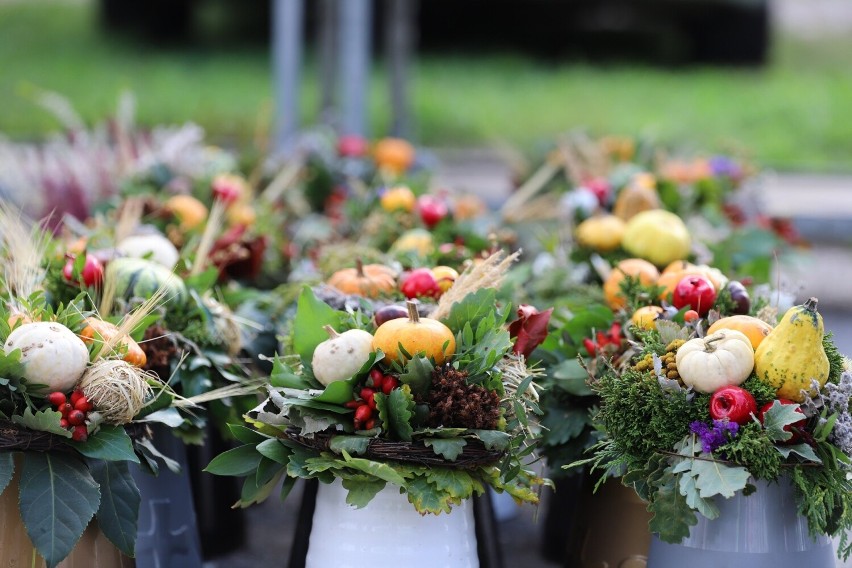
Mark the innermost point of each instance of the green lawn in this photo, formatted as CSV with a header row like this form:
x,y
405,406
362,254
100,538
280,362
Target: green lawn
x,y
794,114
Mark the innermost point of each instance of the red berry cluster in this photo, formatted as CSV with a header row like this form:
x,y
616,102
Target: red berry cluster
x,y
602,339
365,402
74,412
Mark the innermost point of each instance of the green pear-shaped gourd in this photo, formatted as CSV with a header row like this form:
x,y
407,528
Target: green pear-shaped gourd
x,y
792,355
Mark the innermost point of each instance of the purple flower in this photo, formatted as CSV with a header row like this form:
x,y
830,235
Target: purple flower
x,y
714,436
725,167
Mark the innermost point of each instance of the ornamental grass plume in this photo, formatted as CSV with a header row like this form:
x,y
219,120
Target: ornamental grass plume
x,y
487,274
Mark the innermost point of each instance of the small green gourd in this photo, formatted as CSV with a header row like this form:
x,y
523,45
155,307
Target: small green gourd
x,y
792,355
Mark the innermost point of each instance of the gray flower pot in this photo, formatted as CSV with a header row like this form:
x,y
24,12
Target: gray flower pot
x,y
762,530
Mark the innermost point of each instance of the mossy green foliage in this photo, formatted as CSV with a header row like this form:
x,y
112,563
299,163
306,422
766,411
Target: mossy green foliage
x,y
663,421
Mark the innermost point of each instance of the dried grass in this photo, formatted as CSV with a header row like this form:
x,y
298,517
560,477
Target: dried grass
x,y
117,389
487,274
25,246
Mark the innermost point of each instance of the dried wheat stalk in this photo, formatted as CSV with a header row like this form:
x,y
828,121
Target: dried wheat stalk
x,y
487,274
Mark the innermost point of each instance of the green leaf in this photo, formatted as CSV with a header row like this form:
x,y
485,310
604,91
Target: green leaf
x,y
377,469
44,420
118,513
803,450
425,498
273,449
449,448
311,315
171,417
58,498
266,470
395,412
283,376
457,483
493,439
571,377
672,517
564,424
471,309
337,392
7,469
151,453
253,493
418,375
350,444
689,489
238,461
779,415
362,491
110,443
246,435
10,364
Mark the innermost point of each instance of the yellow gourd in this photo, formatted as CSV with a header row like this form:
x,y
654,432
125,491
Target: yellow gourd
x,y
602,233
634,199
415,335
792,355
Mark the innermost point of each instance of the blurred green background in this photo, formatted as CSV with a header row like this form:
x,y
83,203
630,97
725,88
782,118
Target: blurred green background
x,y
793,114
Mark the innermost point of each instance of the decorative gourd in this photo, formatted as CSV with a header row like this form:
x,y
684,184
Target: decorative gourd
x,y
189,211
394,155
658,236
637,268
342,355
602,232
721,359
755,329
52,355
140,278
646,317
634,199
368,280
398,198
416,335
792,355
106,332
160,249
418,240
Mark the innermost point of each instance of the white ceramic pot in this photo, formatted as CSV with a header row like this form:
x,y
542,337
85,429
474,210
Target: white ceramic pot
x,y
389,533
762,530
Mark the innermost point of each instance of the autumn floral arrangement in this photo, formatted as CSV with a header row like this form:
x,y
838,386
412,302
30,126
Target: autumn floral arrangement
x,y
441,406
697,407
75,403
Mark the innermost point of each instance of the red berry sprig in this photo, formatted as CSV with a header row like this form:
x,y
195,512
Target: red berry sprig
x,y
364,404
74,412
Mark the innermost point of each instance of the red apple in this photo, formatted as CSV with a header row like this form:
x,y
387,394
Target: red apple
x,y
352,146
800,425
734,403
600,187
697,292
388,313
92,273
419,283
432,209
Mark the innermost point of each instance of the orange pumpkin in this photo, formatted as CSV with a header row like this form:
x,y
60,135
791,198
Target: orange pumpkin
x,y
399,198
415,335
368,280
104,331
394,155
646,272
189,211
753,328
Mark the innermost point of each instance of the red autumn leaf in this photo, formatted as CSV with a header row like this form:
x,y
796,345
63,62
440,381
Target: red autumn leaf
x,y
530,329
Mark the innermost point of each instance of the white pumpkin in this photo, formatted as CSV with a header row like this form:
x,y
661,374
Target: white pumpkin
x,y
51,353
342,355
160,248
717,360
